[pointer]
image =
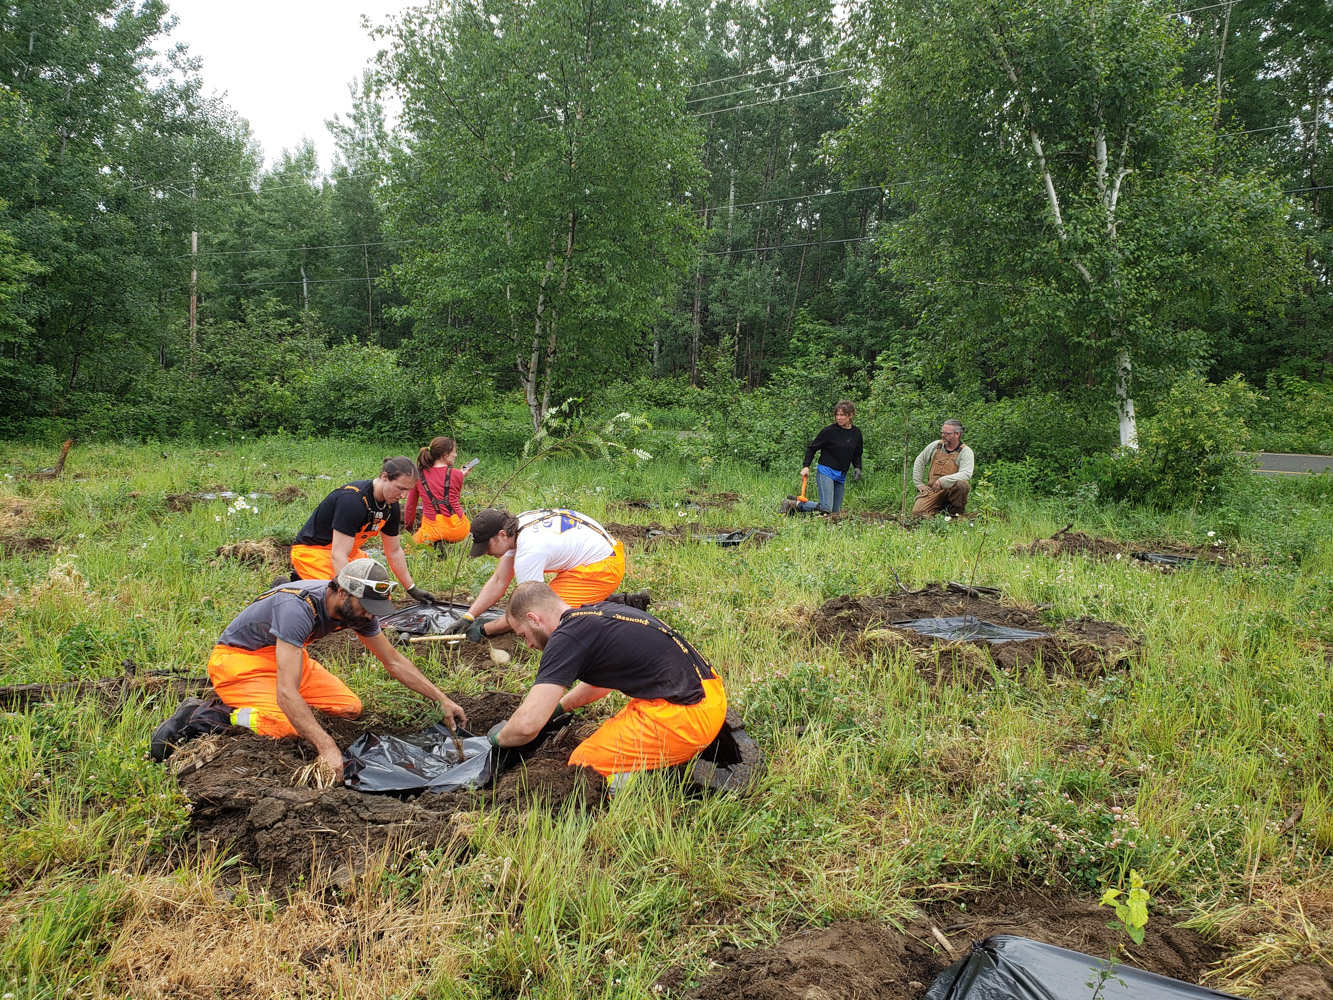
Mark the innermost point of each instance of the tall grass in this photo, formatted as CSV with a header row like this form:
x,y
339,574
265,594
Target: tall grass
x,y
883,788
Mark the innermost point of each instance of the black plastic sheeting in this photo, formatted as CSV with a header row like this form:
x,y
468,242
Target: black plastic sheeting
x,y
428,761
1165,559
1006,967
424,761
431,619
725,539
967,628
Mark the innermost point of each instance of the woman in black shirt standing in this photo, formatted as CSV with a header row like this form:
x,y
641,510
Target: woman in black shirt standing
x,y
839,448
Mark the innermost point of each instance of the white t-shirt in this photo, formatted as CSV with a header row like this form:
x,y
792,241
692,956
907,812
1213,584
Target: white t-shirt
x,y
552,540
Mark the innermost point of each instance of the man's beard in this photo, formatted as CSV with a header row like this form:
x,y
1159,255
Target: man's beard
x,y
539,637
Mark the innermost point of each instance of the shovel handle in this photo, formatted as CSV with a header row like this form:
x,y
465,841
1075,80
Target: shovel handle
x,y
803,482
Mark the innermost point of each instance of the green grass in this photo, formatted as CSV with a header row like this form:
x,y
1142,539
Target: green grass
x,y
882,788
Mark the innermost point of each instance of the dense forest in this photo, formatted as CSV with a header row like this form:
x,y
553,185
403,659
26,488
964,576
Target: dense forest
x,y
1053,219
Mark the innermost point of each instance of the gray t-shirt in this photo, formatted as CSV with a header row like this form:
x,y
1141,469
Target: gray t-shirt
x,y
294,613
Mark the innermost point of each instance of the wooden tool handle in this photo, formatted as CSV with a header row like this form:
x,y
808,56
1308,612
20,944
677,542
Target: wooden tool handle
x,y
436,638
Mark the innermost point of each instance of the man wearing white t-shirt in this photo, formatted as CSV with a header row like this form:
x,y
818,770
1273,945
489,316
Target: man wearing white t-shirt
x,y
587,562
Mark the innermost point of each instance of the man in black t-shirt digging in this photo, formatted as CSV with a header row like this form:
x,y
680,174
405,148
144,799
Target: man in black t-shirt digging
x,y
677,701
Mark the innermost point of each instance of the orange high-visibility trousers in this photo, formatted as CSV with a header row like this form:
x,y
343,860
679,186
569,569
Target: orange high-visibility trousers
x,y
593,582
315,562
652,733
442,528
247,681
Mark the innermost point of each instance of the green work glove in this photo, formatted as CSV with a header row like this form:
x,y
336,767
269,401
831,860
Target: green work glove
x,y
493,734
856,475
477,632
560,716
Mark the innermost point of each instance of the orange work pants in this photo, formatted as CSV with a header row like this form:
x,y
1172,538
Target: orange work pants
x,y
593,582
315,562
247,682
648,734
442,528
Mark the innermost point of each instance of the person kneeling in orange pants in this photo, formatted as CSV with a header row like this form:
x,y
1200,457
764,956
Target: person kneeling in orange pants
x,y
264,679
587,562
677,701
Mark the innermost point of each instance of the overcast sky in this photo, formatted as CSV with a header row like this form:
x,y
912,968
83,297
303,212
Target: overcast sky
x,y
284,65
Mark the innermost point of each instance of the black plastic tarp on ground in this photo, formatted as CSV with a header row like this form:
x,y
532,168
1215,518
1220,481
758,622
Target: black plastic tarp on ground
x,y
1006,967
430,619
965,628
424,761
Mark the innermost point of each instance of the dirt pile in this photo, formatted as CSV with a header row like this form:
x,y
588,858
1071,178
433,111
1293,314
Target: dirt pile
x,y
1081,647
1066,542
289,494
244,802
642,536
264,552
14,518
862,960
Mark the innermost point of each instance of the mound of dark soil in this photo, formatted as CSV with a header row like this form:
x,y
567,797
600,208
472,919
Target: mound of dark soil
x,y
861,960
643,536
1081,647
22,545
244,802
1075,543
289,494
266,552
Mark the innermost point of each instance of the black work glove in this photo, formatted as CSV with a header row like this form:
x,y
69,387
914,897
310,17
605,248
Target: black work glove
x,y
493,734
476,632
559,717
856,475
420,596
459,625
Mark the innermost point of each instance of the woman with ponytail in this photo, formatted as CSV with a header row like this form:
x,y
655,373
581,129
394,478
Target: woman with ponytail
x,y
439,487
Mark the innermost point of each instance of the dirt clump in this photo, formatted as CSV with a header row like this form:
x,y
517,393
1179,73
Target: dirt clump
x,y
643,536
243,799
1081,647
1067,542
865,960
265,552
289,494
23,545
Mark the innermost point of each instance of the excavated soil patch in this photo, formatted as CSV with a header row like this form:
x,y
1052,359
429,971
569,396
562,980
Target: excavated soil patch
x,y
22,545
264,552
289,494
642,536
863,960
1075,543
1081,647
244,802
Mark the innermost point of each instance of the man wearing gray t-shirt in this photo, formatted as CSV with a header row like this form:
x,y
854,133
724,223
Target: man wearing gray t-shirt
x,y
266,681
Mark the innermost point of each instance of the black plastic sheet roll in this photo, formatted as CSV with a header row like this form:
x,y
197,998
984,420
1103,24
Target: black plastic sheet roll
x,y
969,627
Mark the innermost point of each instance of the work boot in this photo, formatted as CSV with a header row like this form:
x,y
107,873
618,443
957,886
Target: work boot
x,y
788,506
638,600
168,736
211,716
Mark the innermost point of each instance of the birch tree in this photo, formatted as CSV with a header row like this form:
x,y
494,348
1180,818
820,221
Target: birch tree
x,y
1070,227
544,178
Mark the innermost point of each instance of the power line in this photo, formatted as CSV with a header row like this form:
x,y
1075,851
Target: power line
x,y
775,100
751,90
787,246
309,281
765,69
327,246
1270,128
1211,6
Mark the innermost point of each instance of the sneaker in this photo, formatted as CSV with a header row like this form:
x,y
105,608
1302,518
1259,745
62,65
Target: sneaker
x,y
172,733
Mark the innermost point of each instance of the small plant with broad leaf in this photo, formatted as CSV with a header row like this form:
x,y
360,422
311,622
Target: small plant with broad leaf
x,y
1131,916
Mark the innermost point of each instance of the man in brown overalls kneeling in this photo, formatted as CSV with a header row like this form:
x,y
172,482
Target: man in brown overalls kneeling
x,y
942,473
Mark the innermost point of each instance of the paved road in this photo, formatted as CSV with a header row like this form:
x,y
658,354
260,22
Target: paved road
x,y
1274,463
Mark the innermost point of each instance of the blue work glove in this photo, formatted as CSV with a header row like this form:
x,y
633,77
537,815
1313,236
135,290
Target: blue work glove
x,y
493,734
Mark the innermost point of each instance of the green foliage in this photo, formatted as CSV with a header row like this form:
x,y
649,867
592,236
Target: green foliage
x,y
1131,911
1295,416
566,430
1189,448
